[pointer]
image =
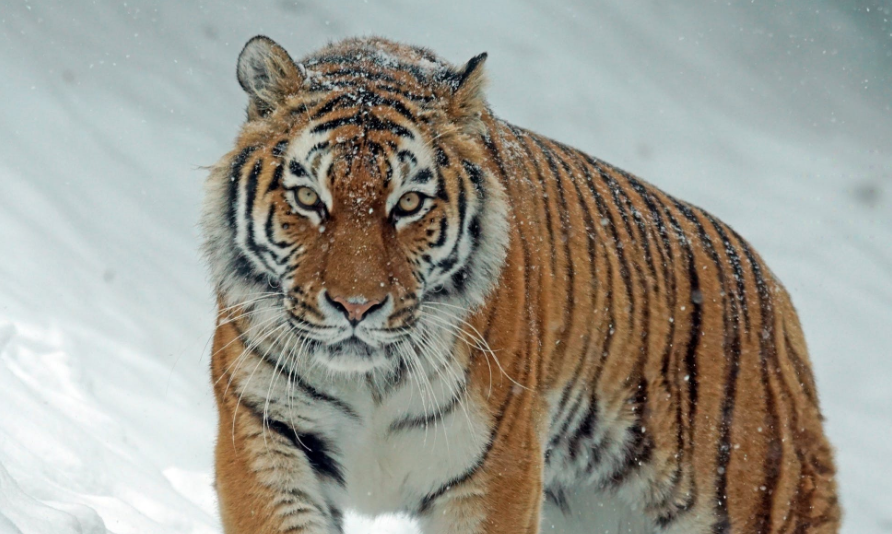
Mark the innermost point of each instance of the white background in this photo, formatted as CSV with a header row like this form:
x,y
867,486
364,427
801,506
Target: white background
x,y
775,117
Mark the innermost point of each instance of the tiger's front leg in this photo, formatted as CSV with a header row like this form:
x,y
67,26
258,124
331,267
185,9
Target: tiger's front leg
x,y
265,481
265,484
501,495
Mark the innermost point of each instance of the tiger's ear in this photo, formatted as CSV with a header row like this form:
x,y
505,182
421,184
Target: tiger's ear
x,y
268,74
468,101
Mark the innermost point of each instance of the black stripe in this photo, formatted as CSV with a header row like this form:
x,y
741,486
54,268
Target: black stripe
x,y
558,497
408,309
624,271
476,177
619,194
585,431
677,500
611,226
240,265
319,451
570,267
276,182
590,229
731,348
414,422
422,177
639,445
672,510
379,155
728,406
235,178
441,192
519,135
609,322
317,395
280,148
299,109
428,500
368,99
297,169
736,266
270,232
293,496
251,243
309,309
446,264
767,353
321,145
408,95
244,269
565,226
366,121
803,372
695,332
337,517
405,155
307,389
441,237
442,157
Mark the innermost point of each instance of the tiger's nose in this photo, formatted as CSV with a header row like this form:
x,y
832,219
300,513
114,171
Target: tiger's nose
x,y
355,308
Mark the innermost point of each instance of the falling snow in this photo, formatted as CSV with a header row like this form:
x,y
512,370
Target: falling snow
x,y
777,119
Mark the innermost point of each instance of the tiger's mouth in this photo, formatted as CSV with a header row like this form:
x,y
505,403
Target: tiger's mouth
x,y
351,347
353,355
354,347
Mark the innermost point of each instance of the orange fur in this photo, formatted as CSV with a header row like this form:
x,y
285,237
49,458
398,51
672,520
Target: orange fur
x,y
647,314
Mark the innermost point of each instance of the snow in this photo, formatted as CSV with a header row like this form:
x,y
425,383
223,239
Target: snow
x,y
774,117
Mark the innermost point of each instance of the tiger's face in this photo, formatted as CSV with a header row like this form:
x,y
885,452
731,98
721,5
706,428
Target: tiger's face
x,y
359,233
356,227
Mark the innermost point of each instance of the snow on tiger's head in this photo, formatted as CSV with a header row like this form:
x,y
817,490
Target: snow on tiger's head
x,y
355,221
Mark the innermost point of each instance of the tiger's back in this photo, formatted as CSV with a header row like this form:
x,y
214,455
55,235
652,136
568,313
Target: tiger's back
x,y
391,259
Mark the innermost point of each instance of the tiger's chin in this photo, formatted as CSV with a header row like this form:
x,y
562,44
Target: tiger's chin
x,y
353,356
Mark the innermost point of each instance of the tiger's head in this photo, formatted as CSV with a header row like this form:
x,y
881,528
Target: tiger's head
x,y
356,223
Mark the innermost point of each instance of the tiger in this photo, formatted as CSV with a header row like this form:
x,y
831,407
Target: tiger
x,y
425,310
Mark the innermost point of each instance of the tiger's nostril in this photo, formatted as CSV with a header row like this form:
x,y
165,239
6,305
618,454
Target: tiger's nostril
x,y
354,308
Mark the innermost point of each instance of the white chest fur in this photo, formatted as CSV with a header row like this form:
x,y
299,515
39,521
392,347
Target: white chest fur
x,y
422,435
394,448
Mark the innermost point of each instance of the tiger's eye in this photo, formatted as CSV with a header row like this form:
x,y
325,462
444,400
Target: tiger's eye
x,y
410,202
307,197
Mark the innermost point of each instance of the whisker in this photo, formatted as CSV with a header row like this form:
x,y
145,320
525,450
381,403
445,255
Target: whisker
x,y
226,310
482,345
276,370
416,373
249,344
439,347
247,383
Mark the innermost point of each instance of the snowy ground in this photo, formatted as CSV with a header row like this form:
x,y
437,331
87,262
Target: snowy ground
x,y
775,118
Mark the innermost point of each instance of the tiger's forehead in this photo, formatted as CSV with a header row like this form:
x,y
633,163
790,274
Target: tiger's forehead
x,y
416,71
363,162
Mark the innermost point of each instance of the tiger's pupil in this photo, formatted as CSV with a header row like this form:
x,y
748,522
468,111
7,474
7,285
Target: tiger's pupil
x,y
410,202
307,197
